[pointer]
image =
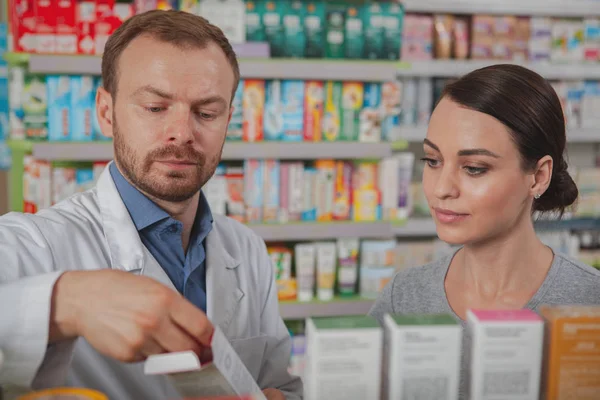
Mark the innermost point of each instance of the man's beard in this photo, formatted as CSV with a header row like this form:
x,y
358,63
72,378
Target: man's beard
x,y
177,186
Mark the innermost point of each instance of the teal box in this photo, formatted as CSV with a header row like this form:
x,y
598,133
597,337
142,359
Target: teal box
x,y
59,108
84,179
393,15
235,129
293,110
273,114
255,30
373,29
82,108
293,27
272,20
314,28
354,34
336,30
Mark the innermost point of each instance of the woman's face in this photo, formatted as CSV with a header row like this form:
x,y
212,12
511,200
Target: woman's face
x,y
474,181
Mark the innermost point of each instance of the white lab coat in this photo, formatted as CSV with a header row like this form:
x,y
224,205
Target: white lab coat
x,y
93,230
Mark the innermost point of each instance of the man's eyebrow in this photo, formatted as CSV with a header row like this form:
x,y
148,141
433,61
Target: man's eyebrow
x,y
210,100
155,91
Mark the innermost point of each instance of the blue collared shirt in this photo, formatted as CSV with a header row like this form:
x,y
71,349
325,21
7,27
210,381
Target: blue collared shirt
x,y
161,234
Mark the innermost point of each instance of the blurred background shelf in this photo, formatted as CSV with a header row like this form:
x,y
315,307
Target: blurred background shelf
x,y
322,231
417,227
564,8
101,151
337,307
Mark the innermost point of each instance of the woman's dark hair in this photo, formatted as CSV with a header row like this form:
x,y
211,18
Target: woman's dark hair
x,y
528,106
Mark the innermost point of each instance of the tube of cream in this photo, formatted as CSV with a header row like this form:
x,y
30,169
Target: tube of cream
x,y
304,255
347,250
326,262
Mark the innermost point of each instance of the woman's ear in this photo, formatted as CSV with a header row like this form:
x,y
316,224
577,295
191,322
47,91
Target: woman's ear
x,y
104,111
542,176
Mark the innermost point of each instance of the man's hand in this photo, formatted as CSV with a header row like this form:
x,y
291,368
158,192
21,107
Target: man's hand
x,y
273,394
125,316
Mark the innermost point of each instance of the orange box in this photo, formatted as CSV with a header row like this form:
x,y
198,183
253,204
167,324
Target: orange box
x,y
572,353
313,110
253,99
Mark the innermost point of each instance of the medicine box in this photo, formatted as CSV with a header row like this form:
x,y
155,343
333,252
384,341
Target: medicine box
x,y
343,358
506,354
422,357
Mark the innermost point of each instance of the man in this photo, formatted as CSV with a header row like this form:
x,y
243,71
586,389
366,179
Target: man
x,y
138,265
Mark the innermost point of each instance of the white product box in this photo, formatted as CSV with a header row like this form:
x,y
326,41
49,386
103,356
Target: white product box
x,y
343,358
506,354
421,358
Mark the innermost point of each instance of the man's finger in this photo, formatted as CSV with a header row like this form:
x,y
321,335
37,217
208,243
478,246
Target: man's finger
x,y
192,320
172,338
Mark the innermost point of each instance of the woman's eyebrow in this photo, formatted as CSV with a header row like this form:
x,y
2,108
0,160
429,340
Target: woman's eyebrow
x,y
465,152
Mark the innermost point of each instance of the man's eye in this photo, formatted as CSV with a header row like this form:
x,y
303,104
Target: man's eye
x,y
155,110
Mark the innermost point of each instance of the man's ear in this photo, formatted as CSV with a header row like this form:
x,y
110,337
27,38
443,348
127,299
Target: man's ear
x,y
104,111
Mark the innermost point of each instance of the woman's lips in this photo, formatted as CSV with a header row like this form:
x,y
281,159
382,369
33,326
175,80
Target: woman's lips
x,y
448,216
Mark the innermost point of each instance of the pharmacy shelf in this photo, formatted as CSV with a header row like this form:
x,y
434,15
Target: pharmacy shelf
x,y
338,307
322,230
101,151
417,227
558,8
457,68
250,68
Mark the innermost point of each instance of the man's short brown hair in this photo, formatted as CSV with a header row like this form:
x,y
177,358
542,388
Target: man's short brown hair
x,y
179,28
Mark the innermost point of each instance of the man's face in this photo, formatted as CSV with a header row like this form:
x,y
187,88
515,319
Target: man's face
x,y
170,115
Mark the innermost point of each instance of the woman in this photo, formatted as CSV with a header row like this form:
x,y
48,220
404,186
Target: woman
x,y
493,154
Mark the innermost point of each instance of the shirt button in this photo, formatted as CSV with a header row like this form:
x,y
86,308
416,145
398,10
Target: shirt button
x,y
173,229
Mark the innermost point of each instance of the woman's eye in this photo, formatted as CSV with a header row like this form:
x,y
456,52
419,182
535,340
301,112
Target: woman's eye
x,y
431,162
475,170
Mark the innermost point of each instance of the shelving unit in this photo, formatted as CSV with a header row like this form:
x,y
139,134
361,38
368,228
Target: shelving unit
x,y
323,231
338,307
565,8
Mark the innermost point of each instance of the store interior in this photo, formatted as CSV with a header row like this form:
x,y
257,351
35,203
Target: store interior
x,y
322,156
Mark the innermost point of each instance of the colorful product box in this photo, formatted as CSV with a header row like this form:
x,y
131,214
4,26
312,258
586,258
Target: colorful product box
x,y
304,262
572,352
315,28
417,37
354,35
506,354
284,194
236,208
236,124
370,115
16,100
354,346
228,15
255,30
281,258
37,185
393,14
591,44
86,23
189,6
215,191
35,107
253,188
45,27
293,110
373,30
342,203
66,27
313,111
84,178
59,109
567,40
296,191
352,102
422,357
335,29
64,183
540,42
391,100
253,105
309,201
389,169
347,274
272,20
366,205
105,24
83,103
293,27
271,186
23,24
590,105
325,189
332,115
273,115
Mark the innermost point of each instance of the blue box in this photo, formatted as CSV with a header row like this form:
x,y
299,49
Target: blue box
x,y
273,114
82,108
292,93
59,108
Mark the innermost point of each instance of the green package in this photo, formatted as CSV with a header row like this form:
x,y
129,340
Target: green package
x,y
354,34
293,27
255,30
393,15
35,107
336,30
373,30
314,29
272,20
332,115
352,103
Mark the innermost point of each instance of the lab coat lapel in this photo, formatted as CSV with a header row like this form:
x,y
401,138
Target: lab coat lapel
x,y
127,252
223,291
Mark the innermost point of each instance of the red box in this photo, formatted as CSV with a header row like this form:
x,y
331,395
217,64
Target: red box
x,y
105,24
123,10
23,24
45,12
86,21
66,27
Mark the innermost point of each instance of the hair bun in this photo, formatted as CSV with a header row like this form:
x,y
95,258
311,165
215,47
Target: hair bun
x,y
561,193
